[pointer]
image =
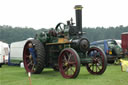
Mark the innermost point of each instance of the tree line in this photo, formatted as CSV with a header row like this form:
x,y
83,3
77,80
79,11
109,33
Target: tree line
x,y
100,33
11,34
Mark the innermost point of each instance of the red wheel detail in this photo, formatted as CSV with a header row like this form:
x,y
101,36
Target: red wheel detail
x,y
27,58
29,64
99,61
69,63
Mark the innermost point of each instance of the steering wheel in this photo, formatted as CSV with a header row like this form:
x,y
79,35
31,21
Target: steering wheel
x,y
60,27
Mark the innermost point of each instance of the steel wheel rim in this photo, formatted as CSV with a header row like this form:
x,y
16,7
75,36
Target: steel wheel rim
x,y
97,65
68,64
28,61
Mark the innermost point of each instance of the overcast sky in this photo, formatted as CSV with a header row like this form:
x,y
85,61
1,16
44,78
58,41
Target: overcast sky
x,y
47,13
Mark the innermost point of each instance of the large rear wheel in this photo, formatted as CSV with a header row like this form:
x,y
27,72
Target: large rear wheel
x,y
99,61
33,56
69,63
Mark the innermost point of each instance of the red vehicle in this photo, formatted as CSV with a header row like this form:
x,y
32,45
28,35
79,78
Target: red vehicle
x,y
124,37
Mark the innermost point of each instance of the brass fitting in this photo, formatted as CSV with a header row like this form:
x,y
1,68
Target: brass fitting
x,y
78,7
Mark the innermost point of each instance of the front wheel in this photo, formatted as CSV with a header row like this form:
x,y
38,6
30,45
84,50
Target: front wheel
x,y
99,61
69,63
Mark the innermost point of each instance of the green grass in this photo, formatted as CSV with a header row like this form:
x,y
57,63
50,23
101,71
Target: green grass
x,y
13,75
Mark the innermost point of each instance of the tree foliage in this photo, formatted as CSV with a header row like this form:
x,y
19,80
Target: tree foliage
x,y
100,33
10,34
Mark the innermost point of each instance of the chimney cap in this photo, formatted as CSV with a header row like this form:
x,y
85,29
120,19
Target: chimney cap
x,y
78,7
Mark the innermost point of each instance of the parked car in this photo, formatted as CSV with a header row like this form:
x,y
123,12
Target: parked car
x,y
111,47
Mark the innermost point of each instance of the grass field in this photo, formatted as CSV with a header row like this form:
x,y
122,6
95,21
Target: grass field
x,y
13,75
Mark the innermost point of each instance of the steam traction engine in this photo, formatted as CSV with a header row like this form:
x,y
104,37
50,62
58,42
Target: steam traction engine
x,y
64,49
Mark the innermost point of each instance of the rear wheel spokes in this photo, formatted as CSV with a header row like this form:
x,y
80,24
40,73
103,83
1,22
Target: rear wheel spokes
x,y
28,57
97,64
70,70
68,63
30,63
66,69
65,59
98,68
92,66
72,63
33,67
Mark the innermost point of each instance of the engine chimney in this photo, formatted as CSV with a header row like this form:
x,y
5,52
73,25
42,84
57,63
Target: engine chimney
x,y
78,9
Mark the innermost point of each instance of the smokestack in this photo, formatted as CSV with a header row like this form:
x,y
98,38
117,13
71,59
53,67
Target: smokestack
x,y
78,9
